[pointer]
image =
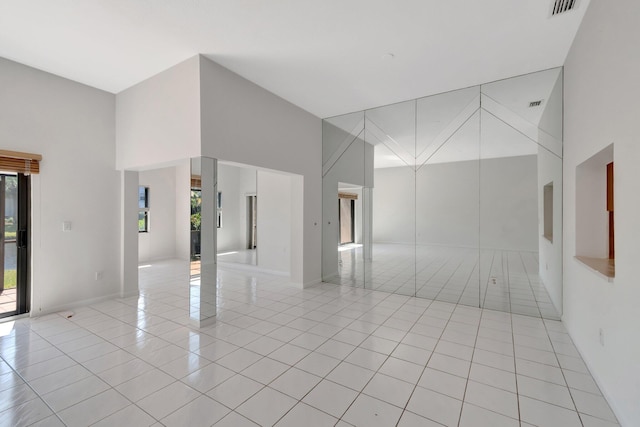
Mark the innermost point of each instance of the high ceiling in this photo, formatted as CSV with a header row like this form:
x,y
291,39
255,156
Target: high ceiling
x,y
329,57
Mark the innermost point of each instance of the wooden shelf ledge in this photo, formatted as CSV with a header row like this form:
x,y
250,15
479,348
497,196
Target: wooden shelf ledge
x,y
604,266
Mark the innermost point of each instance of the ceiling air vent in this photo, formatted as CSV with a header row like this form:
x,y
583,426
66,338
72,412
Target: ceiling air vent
x,y
535,103
562,6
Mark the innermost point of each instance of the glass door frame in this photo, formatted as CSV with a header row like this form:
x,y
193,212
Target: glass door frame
x,y
23,242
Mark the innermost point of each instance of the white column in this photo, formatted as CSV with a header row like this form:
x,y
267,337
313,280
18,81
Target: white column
x,y
129,233
202,289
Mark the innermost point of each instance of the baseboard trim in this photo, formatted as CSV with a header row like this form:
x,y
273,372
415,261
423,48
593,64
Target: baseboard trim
x,y
612,403
74,304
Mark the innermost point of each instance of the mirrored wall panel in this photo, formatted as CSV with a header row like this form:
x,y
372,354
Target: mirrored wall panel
x,y
447,196
344,179
391,131
203,265
454,197
520,161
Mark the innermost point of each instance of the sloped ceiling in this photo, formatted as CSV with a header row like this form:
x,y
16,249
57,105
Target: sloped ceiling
x,y
328,57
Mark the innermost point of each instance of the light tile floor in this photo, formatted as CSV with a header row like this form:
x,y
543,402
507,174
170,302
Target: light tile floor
x,y
8,301
277,355
239,256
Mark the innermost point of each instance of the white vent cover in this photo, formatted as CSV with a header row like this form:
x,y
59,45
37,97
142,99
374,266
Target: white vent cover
x,y
562,6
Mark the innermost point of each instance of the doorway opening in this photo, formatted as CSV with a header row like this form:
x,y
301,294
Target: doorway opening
x,y
14,243
252,222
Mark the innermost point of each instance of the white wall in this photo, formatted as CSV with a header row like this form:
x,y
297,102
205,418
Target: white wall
x,y
442,200
72,126
509,203
244,123
592,225
160,241
235,183
296,267
200,108
357,211
551,119
274,222
394,205
183,210
550,253
158,120
601,107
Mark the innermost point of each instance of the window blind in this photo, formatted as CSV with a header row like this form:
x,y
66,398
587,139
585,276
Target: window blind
x,y
15,161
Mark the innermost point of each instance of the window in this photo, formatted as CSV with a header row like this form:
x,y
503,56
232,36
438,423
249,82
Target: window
x,y
196,209
143,209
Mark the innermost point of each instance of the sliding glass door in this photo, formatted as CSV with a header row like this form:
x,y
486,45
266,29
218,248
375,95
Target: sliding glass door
x,y
14,244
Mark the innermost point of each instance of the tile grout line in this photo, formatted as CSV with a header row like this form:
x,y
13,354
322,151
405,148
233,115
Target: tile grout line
x,y
426,365
38,396
344,360
316,309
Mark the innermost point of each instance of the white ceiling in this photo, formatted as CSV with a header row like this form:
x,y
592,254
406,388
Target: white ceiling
x,y
324,56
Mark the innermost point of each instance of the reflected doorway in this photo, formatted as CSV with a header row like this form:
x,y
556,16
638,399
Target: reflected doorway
x,y
350,250
346,217
237,209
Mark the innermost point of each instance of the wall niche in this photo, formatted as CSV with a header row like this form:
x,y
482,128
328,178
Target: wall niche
x,y
595,241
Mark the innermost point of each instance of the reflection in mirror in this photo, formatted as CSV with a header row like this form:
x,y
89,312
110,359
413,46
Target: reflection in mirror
x,y
343,153
390,131
237,214
521,121
447,197
203,269
454,197
350,249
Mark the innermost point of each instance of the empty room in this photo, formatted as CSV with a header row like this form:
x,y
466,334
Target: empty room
x,y
366,213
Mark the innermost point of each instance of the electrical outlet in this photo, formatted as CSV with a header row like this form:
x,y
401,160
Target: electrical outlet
x,y
601,337
98,275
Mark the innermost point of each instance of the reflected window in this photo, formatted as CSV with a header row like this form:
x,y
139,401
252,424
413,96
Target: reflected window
x,y
196,209
548,211
143,209
219,210
612,251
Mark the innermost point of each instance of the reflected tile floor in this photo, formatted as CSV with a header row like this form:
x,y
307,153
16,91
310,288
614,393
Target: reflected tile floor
x,y
239,256
277,355
496,279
